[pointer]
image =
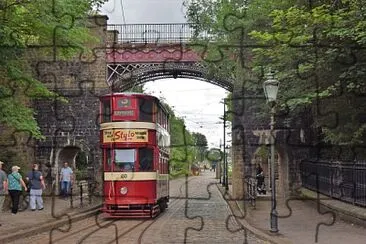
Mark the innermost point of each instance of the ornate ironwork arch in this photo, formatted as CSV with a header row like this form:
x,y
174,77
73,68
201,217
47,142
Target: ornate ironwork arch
x,y
122,77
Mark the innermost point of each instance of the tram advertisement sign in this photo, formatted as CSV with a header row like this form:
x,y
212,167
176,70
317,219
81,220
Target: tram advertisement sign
x,y
125,135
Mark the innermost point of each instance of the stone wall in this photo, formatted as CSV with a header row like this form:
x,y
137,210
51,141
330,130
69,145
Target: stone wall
x,y
251,131
73,125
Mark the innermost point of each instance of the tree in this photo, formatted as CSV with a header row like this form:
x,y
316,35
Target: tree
x,y
200,143
316,48
185,146
319,55
53,29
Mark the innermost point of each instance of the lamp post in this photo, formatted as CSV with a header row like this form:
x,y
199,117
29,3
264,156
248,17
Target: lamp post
x,y
270,87
219,166
225,182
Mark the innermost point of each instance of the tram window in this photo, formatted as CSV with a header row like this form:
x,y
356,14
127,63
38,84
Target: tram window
x,y
106,111
146,110
108,159
124,159
146,159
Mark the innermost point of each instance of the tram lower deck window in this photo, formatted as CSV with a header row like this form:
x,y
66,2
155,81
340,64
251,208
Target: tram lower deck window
x,y
124,160
146,161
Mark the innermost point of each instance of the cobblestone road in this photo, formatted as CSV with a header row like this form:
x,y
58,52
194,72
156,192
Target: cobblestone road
x,y
196,214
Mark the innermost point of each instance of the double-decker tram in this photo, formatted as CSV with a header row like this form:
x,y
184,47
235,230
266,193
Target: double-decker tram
x,y
135,140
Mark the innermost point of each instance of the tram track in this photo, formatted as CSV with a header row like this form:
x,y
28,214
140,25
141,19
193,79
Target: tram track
x,y
92,225
83,230
169,226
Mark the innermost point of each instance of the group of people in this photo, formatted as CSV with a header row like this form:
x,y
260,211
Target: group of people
x,y
13,184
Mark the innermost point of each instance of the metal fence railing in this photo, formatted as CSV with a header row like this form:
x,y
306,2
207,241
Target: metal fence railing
x,y
345,181
251,190
153,33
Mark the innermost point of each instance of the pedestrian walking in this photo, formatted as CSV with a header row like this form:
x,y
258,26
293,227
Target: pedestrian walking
x,y
36,184
3,186
15,183
66,178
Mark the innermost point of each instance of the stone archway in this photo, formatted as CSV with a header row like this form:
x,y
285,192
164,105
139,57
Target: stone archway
x,y
67,154
262,155
70,153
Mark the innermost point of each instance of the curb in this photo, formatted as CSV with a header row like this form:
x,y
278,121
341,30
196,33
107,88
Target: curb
x,y
50,225
240,216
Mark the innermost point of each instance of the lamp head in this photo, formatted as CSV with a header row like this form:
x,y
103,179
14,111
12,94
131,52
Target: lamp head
x,y
270,87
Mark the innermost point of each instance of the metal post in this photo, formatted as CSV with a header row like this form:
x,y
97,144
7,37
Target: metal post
x,y
224,148
219,166
274,214
71,195
81,195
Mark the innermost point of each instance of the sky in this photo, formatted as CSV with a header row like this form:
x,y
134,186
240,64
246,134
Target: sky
x,y
144,11
197,102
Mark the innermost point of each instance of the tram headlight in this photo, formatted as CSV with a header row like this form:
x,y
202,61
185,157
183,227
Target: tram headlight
x,y
123,190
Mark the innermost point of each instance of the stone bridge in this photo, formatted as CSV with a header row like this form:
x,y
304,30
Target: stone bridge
x,y
131,55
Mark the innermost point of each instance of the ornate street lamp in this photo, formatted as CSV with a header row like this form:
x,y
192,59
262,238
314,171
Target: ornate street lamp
x,y
270,87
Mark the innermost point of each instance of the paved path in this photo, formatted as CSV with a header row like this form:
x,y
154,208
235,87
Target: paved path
x,y
196,214
300,225
55,208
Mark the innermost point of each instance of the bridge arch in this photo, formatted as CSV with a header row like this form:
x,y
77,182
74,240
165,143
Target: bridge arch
x,y
145,73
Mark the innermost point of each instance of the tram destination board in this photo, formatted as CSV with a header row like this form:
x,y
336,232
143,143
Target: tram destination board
x,y
125,135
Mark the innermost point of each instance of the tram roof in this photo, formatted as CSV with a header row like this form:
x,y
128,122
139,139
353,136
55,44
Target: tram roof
x,y
128,94
139,94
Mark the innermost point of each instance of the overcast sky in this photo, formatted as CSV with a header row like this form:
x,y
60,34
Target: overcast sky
x,y
198,102
144,11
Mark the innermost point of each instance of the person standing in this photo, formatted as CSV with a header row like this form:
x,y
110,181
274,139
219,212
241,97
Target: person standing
x,y
66,179
3,186
260,179
36,181
15,183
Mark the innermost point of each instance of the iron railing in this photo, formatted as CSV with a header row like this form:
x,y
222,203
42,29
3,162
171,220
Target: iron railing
x,y
153,33
343,181
251,190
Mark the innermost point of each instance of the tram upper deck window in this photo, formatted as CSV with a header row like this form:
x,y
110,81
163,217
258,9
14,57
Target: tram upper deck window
x,y
106,111
146,110
124,160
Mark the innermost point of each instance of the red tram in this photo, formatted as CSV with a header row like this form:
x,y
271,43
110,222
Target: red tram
x,y
135,140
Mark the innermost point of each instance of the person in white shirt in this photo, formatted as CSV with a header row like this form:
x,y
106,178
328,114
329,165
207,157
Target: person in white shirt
x,y
66,179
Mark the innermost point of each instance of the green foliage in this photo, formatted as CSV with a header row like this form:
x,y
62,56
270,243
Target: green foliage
x,y
30,30
200,144
317,52
81,161
262,152
186,147
139,89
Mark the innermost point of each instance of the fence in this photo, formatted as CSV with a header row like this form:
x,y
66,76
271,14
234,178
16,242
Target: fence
x,y
251,190
154,33
345,181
